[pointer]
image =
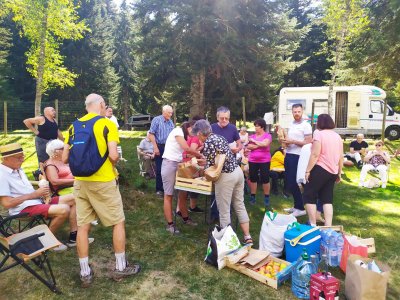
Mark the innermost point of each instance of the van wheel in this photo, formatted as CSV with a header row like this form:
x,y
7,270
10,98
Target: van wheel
x,y
392,133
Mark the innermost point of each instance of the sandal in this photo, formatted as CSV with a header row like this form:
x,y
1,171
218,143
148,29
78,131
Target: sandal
x,y
248,241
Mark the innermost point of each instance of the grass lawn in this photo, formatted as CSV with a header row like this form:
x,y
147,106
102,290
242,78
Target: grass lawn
x,y
173,267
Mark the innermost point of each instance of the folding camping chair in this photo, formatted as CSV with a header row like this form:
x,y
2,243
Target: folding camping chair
x,y
142,168
10,225
28,249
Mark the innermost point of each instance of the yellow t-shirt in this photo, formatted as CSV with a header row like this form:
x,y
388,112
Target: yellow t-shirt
x,y
107,172
277,161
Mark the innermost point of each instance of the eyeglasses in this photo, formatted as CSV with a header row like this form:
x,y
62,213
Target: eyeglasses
x,y
224,118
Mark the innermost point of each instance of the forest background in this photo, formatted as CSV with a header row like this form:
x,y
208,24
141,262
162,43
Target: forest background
x,y
195,54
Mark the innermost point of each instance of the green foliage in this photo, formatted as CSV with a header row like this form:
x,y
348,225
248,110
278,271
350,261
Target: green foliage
x,y
49,22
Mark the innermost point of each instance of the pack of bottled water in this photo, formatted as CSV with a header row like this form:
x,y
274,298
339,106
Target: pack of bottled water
x,y
332,245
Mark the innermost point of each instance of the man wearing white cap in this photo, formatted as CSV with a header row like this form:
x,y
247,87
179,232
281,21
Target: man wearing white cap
x,y
18,195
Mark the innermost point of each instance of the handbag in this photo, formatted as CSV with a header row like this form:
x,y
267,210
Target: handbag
x,y
212,173
222,242
351,246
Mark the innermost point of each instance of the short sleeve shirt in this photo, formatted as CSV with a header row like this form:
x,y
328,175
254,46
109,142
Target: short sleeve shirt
x,y
173,151
331,149
358,146
229,132
298,131
216,144
14,183
146,146
161,128
107,171
262,154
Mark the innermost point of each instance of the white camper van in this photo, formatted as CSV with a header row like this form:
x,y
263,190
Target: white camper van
x,y
357,109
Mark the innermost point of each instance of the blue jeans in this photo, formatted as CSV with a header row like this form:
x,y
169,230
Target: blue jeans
x,y
159,159
291,161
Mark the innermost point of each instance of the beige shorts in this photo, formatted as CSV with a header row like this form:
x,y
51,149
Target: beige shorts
x,y
95,199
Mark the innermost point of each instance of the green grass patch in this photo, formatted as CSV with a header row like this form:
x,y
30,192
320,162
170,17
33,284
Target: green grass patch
x,y
173,267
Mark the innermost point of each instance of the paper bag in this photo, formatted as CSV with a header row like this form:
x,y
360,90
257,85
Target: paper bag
x,y
212,173
187,170
352,246
363,284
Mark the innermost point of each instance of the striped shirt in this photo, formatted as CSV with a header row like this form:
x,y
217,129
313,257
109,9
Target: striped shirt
x,y
161,128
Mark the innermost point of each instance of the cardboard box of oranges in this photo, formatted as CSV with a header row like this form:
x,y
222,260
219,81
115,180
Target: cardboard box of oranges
x,y
260,265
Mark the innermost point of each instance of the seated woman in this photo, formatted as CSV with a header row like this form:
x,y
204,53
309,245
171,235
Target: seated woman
x,y
277,170
229,188
376,160
57,173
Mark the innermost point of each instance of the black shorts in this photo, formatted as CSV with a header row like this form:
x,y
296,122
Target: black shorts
x,y
264,172
320,186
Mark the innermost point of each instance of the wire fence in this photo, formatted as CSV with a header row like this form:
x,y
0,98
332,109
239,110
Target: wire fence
x,y
14,113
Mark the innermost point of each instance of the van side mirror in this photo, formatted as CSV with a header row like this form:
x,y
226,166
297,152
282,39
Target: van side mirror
x,y
390,112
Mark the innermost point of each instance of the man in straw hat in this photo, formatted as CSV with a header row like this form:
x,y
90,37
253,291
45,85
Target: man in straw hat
x,y
18,195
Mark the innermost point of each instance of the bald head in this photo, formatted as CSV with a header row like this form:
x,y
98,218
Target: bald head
x,y
95,104
49,112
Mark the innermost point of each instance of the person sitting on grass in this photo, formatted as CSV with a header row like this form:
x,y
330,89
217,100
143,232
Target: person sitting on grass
x,y
376,160
18,195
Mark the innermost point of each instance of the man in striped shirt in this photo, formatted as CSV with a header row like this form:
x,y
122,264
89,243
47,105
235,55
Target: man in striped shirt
x,y
160,128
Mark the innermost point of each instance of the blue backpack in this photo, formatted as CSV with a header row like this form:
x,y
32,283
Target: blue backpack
x,y
84,155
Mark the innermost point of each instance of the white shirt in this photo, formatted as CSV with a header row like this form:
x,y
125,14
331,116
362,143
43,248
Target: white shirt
x,y
173,151
114,119
298,131
14,183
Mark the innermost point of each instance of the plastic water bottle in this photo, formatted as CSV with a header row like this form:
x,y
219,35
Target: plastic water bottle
x,y
323,265
333,251
301,275
339,244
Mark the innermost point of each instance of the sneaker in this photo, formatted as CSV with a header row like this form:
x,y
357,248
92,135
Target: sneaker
x,y
178,213
196,209
289,210
87,280
60,248
248,241
128,271
298,212
384,185
172,229
190,222
72,243
252,200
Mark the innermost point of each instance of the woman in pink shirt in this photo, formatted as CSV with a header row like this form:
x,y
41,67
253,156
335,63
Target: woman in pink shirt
x,y
323,170
259,160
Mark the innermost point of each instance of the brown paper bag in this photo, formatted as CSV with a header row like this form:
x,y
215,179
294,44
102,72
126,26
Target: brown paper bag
x,y
363,284
212,173
187,170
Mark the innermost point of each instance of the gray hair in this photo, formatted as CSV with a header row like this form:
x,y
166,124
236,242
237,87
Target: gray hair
x,y
203,127
222,109
167,107
52,146
360,135
93,98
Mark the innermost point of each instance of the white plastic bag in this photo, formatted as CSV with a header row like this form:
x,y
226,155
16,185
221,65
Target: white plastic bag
x,y
222,242
272,232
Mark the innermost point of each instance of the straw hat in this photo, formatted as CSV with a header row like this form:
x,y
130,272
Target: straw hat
x,y
10,149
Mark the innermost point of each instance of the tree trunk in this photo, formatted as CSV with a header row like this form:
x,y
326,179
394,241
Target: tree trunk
x,y
197,94
125,105
41,63
338,60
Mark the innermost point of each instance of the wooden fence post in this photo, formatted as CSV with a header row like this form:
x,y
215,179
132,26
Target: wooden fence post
x,y
5,118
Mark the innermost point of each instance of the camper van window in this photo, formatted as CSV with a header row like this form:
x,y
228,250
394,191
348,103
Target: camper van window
x,y
376,106
290,103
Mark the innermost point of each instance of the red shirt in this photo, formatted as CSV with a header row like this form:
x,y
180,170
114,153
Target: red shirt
x,y
191,140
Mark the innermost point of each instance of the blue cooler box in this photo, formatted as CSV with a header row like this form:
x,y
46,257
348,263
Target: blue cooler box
x,y
310,240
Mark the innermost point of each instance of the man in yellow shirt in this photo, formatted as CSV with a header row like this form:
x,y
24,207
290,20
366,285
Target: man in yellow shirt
x,y
97,196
